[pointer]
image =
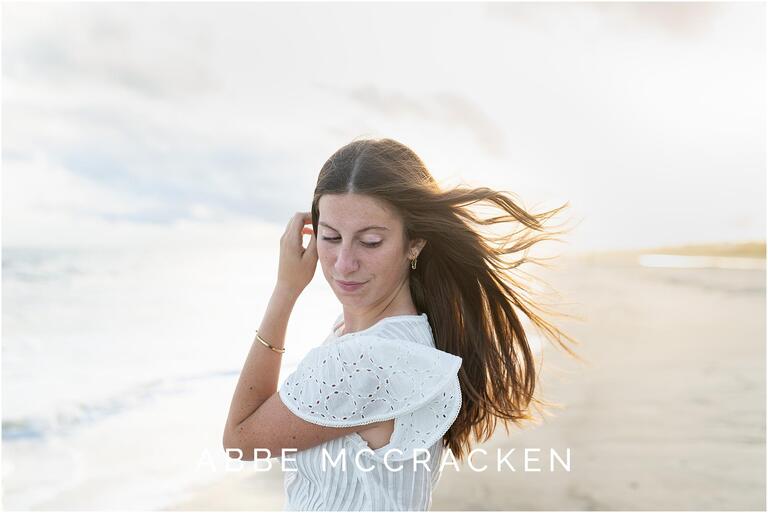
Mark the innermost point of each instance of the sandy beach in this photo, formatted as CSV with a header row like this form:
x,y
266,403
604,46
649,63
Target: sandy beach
x,y
668,413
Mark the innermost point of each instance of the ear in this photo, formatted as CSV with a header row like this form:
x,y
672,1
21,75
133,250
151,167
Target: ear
x,y
416,246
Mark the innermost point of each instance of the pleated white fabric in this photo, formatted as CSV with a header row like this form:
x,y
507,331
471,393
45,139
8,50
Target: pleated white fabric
x,y
391,370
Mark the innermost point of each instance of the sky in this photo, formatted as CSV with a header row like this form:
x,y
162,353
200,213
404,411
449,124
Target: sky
x,y
138,124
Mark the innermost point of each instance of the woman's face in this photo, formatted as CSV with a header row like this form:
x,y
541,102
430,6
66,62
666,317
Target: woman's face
x,y
351,251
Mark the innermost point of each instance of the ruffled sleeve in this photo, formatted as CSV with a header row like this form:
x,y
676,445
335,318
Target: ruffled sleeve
x,y
369,378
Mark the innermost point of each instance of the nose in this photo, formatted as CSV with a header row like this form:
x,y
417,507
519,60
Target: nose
x,y
346,262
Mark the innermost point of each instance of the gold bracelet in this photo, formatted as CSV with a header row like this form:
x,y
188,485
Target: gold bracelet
x,y
273,348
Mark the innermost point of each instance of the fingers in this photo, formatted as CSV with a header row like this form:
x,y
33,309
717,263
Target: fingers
x,y
292,231
303,219
311,247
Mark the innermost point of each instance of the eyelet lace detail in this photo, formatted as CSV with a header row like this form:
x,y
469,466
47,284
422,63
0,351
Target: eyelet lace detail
x,y
369,378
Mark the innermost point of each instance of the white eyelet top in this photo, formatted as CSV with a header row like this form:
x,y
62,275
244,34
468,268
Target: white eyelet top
x,y
391,370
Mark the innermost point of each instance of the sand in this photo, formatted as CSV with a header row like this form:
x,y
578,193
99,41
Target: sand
x,y
668,413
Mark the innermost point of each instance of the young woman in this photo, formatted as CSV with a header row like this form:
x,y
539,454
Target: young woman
x,y
429,350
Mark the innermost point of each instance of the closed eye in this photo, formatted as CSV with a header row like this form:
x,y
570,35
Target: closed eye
x,y
366,244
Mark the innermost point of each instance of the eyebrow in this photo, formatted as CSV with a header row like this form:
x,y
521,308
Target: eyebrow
x,y
358,231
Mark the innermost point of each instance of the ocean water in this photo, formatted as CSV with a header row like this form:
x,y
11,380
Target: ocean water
x,y
118,367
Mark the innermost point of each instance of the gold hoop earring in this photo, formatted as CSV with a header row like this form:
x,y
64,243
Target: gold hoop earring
x,y
413,263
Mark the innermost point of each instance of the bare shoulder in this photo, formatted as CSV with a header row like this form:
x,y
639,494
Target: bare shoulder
x,y
380,426
377,434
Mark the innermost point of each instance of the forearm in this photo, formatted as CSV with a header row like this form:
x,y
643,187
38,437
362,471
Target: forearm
x,y
259,377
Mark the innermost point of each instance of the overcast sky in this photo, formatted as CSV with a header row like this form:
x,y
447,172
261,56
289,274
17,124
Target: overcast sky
x,y
143,123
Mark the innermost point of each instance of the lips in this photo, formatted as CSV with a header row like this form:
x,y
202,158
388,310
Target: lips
x,y
350,286
350,282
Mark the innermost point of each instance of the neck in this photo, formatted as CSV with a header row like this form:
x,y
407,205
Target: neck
x,y
399,302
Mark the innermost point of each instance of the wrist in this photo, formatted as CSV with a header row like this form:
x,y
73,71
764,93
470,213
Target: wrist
x,y
276,349
285,293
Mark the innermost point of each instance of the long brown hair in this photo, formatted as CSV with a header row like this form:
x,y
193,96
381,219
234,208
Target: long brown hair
x,y
463,280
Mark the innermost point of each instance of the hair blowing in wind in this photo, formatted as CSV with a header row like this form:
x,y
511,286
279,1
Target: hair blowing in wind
x,y
468,279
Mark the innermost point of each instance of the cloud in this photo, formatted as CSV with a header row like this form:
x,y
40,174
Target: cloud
x,y
101,46
157,116
673,19
445,108
43,198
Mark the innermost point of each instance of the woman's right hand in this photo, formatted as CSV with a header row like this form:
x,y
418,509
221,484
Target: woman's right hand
x,y
297,264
